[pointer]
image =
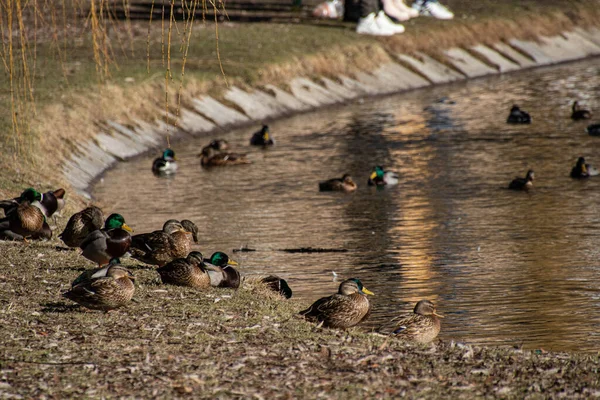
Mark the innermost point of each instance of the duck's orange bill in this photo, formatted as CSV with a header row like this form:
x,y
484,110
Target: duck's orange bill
x,y
438,315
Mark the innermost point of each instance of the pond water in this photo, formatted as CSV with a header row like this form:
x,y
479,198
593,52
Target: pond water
x,y
505,267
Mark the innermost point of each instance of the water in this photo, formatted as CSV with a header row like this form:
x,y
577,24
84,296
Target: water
x,y
504,267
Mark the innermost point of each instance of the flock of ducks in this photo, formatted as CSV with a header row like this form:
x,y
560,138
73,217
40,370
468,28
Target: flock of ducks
x,y
581,170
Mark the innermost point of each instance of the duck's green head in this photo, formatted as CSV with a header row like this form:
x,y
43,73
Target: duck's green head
x,y
353,285
221,259
378,173
115,221
169,154
31,195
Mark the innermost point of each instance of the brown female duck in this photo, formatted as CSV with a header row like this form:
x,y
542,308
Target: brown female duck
x,y
343,184
163,246
189,271
80,225
422,326
213,158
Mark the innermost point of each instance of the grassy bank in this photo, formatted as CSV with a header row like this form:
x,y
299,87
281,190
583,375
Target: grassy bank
x,y
172,342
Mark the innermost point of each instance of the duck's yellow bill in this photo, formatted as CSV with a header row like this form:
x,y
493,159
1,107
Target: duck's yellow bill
x,y
367,291
438,315
232,262
266,136
127,228
373,175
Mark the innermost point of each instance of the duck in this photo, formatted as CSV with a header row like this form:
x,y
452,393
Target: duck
x,y
421,326
80,225
380,177
518,116
162,246
217,144
167,164
112,241
579,113
191,227
222,272
262,138
343,184
23,219
189,271
583,170
593,130
523,183
213,158
278,285
103,289
347,308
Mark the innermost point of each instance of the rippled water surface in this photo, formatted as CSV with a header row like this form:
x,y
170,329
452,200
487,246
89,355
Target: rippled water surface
x,y
504,267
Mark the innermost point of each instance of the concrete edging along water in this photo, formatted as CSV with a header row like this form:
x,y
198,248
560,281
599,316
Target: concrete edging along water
x,y
116,142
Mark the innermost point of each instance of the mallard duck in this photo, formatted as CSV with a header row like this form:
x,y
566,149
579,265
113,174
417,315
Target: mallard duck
x,y
380,177
163,246
579,113
348,307
213,158
422,326
49,203
113,241
583,170
523,183
104,289
191,227
189,271
166,164
517,116
278,285
24,220
80,225
217,144
262,138
221,270
593,130
344,184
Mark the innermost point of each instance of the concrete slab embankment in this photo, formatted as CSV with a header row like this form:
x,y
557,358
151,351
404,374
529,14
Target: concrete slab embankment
x,y
116,141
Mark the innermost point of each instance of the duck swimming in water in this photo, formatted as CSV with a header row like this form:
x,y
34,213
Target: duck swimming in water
x,y
582,170
343,184
422,326
217,144
593,130
380,177
518,116
213,158
262,137
166,164
579,113
523,183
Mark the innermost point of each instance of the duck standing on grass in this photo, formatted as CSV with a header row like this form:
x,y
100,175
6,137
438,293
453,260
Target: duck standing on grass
x,y
581,170
579,113
103,289
343,184
262,137
380,177
523,183
166,164
113,241
345,309
518,116
422,326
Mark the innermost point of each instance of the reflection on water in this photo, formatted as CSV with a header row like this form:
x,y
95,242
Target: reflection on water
x,y
505,267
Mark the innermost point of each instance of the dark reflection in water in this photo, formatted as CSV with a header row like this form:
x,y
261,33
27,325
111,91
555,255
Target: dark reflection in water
x,y
505,267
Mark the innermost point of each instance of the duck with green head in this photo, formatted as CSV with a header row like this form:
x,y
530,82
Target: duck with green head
x,y
421,326
113,241
162,246
24,220
381,177
262,137
103,289
189,271
167,164
345,309
222,272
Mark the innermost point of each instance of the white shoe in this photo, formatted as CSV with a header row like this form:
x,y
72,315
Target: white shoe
x,y
432,8
411,12
369,26
385,21
389,6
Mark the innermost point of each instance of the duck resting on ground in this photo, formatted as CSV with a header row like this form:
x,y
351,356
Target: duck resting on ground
x,y
189,271
523,183
167,164
518,116
112,241
221,270
421,326
262,138
80,225
24,218
582,170
162,246
343,184
278,285
579,113
345,309
380,177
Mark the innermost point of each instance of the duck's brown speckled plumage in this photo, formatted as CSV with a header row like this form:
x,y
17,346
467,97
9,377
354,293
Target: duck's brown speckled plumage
x,y
107,289
213,158
164,246
345,309
187,271
81,224
343,184
421,326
